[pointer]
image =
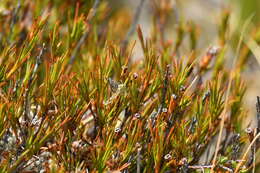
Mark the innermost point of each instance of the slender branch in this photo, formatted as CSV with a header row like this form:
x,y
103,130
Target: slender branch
x,y
27,99
258,113
27,103
165,85
138,160
202,167
133,26
223,115
247,151
14,17
91,15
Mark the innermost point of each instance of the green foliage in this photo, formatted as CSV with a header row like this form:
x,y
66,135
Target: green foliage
x,y
72,98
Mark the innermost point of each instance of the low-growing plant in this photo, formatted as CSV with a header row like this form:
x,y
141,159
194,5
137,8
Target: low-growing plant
x,y
73,98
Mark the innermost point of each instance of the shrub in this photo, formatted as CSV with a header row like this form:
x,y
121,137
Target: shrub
x,y
73,99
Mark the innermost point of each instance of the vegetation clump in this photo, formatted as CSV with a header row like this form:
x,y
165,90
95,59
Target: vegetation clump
x,y
73,98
